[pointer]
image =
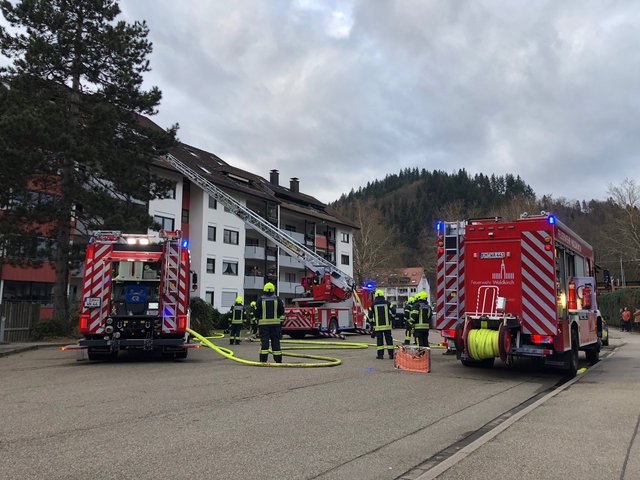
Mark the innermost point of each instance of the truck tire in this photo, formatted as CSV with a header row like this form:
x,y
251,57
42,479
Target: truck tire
x,y
571,357
182,355
485,363
101,356
593,353
333,326
297,335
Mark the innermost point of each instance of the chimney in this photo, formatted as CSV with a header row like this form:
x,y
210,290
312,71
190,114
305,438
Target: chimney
x,y
274,177
294,185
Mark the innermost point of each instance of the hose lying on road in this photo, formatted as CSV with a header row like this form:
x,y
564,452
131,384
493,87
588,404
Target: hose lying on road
x,y
325,361
301,345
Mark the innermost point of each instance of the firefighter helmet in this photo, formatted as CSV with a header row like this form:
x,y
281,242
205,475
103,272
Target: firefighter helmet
x,y
379,293
269,288
423,296
238,300
253,304
411,300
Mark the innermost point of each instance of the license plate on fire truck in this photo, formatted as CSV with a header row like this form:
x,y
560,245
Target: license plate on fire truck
x,y
91,302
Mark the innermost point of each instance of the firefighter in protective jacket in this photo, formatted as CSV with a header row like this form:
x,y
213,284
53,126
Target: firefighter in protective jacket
x,y
251,317
408,331
422,319
269,312
380,314
237,318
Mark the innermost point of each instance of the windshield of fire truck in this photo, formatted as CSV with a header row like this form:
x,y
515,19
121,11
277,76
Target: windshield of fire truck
x,y
135,287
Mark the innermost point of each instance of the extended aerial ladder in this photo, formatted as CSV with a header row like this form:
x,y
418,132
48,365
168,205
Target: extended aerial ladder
x,y
307,257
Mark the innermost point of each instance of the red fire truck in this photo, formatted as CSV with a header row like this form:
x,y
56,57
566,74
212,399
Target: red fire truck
x,y
326,309
524,288
135,295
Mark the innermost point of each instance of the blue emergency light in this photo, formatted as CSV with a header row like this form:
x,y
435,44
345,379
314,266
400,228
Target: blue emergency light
x,y
438,226
551,219
369,285
185,243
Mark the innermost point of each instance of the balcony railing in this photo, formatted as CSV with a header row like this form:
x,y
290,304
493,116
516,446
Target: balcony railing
x,y
253,283
254,252
288,261
289,287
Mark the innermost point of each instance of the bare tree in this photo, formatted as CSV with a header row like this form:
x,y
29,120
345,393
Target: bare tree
x,y
376,245
627,224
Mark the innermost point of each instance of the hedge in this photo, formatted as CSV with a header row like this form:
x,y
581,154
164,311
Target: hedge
x,y
610,304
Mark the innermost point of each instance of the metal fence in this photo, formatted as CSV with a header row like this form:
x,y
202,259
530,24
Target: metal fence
x,y
19,319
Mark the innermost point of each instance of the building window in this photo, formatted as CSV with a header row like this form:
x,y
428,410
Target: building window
x,y
28,292
208,297
290,228
230,236
289,277
344,259
185,215
211,233
211,265
228,299
213,203
165,223
229,268
413,290
345,237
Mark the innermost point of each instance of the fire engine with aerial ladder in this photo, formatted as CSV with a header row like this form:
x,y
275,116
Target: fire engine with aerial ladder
x,y
523,288
331,301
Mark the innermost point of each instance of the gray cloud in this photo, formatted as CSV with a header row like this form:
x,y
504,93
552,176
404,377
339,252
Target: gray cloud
x,y
342,92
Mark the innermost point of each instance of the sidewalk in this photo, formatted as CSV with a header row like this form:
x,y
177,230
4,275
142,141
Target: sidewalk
x,y
20,347
588,430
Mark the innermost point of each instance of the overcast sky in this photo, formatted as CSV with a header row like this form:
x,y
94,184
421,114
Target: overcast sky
x,y
339,93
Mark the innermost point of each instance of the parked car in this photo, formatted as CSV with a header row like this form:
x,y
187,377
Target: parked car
x,y
398,320
603,332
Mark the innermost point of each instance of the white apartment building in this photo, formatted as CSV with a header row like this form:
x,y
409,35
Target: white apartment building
x,y
398,284
232,259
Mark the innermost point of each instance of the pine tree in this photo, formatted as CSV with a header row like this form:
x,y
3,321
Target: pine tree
x,y
71,125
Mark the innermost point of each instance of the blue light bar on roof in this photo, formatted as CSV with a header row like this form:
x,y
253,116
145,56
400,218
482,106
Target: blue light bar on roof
x,y
369,285
551,219
438,226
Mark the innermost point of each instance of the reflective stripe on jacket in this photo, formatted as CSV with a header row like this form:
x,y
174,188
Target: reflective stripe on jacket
x,y
424,316
379,312
237,314
270,310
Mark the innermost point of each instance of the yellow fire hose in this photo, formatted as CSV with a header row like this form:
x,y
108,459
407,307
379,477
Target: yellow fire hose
x,y
301,345
325,361
482,343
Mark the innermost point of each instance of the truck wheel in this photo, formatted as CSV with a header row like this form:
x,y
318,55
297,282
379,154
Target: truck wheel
x,y
101,356
593,354
333,326
571,357
484,363
182,355
297,335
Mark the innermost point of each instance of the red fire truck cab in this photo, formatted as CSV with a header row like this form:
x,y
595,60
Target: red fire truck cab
x,y
516,289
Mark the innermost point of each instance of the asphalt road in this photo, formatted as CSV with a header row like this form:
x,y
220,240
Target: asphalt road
x,y
211,417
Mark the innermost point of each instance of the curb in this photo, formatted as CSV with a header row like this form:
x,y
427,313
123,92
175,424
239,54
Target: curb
x,y
30,347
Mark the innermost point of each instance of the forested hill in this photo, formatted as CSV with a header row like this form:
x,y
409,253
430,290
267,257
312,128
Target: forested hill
x,y
414,199
398,215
